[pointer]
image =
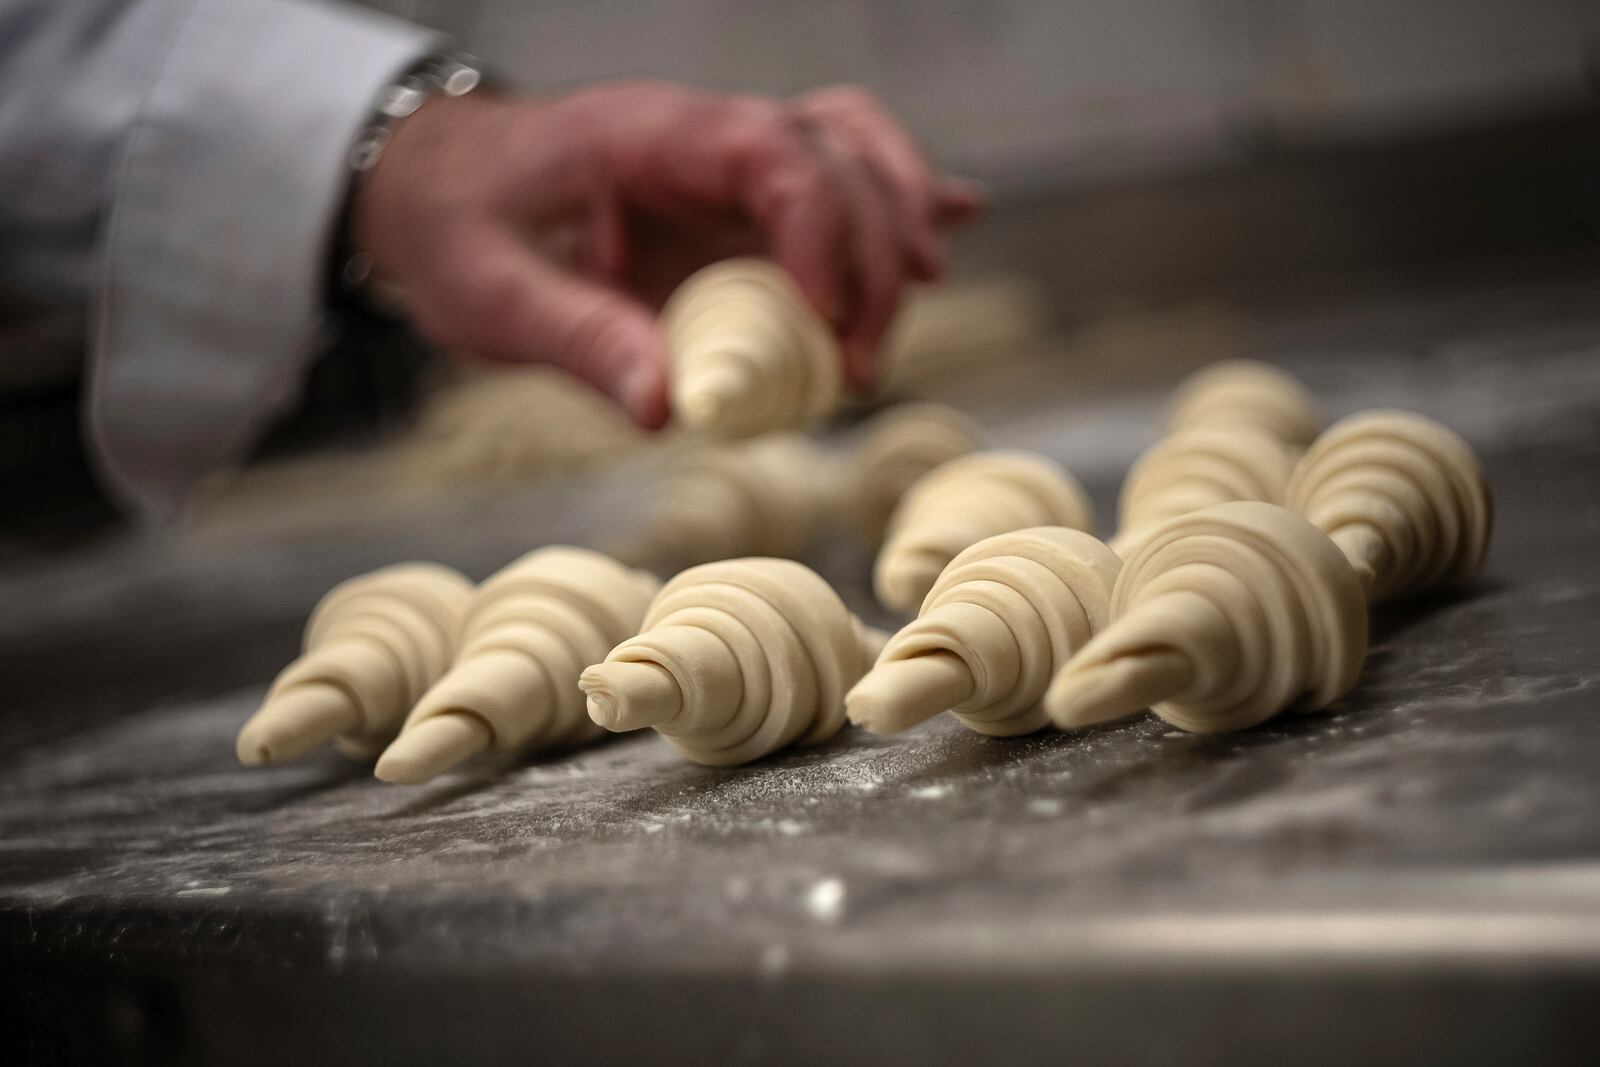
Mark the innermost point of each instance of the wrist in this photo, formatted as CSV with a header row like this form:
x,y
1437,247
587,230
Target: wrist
x,y
431,82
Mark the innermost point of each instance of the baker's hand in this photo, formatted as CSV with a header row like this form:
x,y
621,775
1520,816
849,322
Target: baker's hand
x,y
550,230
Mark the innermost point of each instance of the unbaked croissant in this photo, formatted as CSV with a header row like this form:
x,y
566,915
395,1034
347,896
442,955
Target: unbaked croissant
x,y
529,630
1220,619
1243,392
773,496
1195,468
1227,616
1003,616
897,447
964,501
749,354
372,645
735,660
1402,495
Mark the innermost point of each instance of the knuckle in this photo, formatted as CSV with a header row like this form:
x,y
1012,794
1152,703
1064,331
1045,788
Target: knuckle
x,y
469,310
752,117
628,93
595,347
748,128
856,95
807,183
583,340
806,131
848,97
800,180
491,297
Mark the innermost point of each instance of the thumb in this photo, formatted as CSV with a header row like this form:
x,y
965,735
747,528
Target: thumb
x,y
505,302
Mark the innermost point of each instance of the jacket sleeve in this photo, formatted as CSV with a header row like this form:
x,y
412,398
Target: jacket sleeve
x,y
176,166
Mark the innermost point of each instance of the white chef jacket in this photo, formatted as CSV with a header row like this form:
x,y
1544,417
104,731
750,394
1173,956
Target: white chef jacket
x,y
175,168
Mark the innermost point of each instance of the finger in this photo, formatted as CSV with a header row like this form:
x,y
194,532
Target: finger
x,y
771,170
607,255
577,217
871,131
750,160
958,201
916,237
875,260
496,298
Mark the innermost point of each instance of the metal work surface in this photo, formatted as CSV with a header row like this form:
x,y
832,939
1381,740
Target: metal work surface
x,y
1416,872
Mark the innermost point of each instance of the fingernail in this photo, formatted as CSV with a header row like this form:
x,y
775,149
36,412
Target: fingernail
x,y
959,200
643,394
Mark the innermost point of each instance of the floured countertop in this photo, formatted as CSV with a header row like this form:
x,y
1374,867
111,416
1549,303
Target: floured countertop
x,y
1420,867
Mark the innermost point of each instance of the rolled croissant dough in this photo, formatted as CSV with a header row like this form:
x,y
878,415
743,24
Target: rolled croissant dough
x,y
372,645
780,494
897,447
1245,392
1221,619
1403,496
529,631
749,354
735,659
1003,616
1226,616
773,496
961,503
1192,469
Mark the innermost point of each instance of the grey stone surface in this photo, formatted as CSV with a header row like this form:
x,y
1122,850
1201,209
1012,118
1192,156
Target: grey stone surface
x,y
1417,871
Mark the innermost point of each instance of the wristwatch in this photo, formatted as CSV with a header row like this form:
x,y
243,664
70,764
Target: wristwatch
x,y
442,74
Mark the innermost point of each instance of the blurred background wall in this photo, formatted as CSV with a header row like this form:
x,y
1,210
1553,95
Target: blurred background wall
x,y
1032,93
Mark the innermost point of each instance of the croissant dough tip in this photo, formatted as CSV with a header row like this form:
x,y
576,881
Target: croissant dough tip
x,y
896,695
1089,694
903,580
293,721
1245,391
625,695
431,747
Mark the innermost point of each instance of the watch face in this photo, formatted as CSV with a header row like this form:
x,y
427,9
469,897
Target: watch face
x,y
460,80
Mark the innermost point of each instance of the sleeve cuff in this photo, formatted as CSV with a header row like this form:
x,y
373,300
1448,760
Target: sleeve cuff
x,y
213,261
